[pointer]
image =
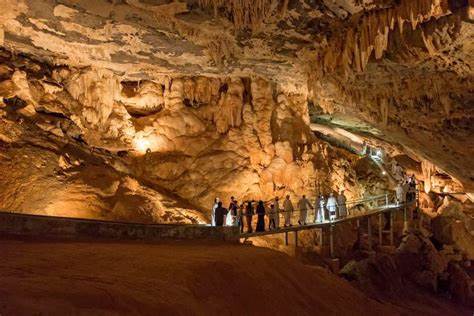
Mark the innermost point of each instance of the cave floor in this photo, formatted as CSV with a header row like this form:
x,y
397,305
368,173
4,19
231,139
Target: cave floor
x,y
54,277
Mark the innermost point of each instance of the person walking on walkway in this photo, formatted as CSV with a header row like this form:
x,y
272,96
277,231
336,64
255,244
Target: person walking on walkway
x,y
261,217
319,207
241,217
303,205
221,212
288,208
272,220
213,211
400,193
276,204
331,206
232,215
248,216
341,204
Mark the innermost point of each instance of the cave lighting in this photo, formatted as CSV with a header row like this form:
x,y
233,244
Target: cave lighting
x,y
142,145
384,173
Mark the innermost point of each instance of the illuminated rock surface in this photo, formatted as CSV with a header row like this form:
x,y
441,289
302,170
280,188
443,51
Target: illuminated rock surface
x,y
145,111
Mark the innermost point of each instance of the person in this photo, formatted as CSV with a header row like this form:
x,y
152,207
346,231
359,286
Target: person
x,y
241,217
317,214
271,222
231,217
249,215
303,205
221,212
288,208
341,204
319,209
213,212
412,188
405,191
276,204
331,206
261,217
400,193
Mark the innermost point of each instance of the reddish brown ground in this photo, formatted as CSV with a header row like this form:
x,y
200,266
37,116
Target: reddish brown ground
x,y
177,278
174,278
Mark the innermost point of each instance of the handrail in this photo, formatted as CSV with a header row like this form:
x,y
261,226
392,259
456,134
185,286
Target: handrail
x,y
350,202
325,223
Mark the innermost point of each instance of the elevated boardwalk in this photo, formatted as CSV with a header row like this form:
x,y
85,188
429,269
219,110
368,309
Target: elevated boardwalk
x,y
376,206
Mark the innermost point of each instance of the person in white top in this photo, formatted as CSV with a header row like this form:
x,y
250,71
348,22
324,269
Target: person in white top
x,y
331,206
213,212
400,192
288,208
319,209
303,205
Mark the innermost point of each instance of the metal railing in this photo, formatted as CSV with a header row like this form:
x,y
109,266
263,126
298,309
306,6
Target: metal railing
x,y
353,208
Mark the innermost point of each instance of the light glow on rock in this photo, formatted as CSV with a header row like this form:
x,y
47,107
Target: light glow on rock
x,y
142,145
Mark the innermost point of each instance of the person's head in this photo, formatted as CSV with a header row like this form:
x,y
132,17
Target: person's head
x,y
276,198
249,203
232,198
219,204
288,197
331,194
260,203
304,196
216,200
272,205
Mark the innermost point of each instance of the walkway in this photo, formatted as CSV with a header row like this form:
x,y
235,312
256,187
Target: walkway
x,y
376,205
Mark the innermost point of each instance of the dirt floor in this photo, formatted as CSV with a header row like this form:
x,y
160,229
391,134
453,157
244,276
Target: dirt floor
x,y
173,278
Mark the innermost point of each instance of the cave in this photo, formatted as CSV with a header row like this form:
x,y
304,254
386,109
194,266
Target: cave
x,y
129,129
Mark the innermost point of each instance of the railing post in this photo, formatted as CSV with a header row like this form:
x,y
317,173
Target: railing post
x,y
369,233
380,229
296,238
391,228
286,238
386,199
331,241
405,218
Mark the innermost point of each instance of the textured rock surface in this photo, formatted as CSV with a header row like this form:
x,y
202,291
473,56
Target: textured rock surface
x,y
222,92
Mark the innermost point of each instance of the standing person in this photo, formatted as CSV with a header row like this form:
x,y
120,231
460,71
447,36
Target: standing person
x,y
288,208
249,215
303,205
231,217
221,212
318,217
261,217
272,215
400,193
331,206
341,204
412,188
276,204
322,209
213,212
241,217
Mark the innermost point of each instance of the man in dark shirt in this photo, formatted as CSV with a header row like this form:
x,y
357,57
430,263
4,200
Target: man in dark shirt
x,y
220,213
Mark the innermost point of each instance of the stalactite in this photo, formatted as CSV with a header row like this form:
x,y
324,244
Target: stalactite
x,y
372,30
244,13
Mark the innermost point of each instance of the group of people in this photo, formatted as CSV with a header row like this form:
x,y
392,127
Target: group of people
x,y
329,208
406,190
